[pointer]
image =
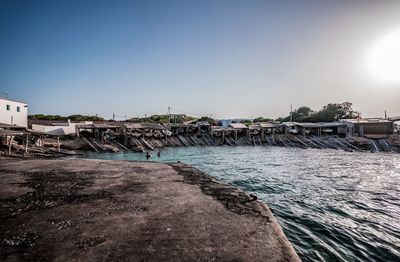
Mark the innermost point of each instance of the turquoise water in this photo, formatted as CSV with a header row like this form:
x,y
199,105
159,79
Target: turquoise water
x,y
332,205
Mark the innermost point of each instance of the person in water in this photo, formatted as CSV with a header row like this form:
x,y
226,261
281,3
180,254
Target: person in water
x,y
159,153
148,155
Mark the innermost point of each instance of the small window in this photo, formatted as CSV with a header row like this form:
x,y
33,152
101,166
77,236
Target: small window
x,y
8,107
18,109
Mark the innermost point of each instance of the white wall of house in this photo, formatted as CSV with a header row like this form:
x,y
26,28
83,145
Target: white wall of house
x,y
13,112
59,130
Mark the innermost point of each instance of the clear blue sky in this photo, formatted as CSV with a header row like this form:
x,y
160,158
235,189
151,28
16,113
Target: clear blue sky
x,y
229,58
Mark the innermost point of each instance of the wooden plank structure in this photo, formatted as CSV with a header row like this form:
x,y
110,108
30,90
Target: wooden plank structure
x,y
29,142
9,132
98,130
117,136
150,136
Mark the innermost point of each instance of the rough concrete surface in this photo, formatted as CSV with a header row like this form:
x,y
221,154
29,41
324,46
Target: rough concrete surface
x,y
92,210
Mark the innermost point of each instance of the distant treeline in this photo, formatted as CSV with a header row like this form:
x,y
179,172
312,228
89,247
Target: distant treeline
x,y
64,118
151,119
329,113
161,119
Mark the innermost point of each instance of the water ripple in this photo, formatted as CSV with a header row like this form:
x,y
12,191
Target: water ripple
x,y
332,205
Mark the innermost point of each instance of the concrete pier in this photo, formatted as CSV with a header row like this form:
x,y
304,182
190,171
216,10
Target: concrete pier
x,y
92,210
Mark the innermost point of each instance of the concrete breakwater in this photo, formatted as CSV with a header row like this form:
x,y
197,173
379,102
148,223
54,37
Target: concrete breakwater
x,y
69,210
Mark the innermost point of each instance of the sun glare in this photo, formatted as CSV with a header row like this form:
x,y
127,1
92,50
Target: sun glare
x,y
383,60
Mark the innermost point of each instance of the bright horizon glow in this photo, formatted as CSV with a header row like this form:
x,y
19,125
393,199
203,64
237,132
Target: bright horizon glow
x,y
383,60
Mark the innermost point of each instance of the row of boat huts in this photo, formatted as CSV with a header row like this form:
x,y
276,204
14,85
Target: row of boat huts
x,y
348,134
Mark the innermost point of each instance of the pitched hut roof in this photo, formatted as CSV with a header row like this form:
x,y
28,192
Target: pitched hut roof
x,y
366,120
144,126
255,126
8,126
313,125
238,126
202,123
268,124
10,132
394,118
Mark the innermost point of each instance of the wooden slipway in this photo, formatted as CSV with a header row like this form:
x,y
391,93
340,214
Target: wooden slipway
x,y
92,210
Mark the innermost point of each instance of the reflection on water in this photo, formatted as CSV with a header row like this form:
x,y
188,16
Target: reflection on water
x,y
332,205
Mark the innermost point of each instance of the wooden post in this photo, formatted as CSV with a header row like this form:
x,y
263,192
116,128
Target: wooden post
x,y
223,136
125,138
9,145
26,143
58,144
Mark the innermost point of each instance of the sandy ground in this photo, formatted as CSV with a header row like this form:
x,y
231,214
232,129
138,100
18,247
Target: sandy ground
x,y
92,210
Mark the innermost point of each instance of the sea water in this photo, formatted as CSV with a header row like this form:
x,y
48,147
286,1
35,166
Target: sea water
x,y
332,205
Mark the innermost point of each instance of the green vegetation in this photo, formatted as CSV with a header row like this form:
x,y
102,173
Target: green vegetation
x,y
64,118
330,112
246,122
161,119
262,119
210,120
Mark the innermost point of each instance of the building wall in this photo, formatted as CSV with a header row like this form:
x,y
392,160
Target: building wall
x,y
11,116
68,129
385,128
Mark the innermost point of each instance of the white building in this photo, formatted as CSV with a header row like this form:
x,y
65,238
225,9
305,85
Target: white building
x,y
13,112
59,129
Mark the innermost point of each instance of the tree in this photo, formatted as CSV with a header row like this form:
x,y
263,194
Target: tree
x,y
161,119
210,120
303,111
329,113
262,119
64,118
334,112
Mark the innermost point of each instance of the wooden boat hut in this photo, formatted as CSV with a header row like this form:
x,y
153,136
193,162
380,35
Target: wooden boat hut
x,y
203,127
145,130
177,128
99,130
316,129
240,129
369,127
9,132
